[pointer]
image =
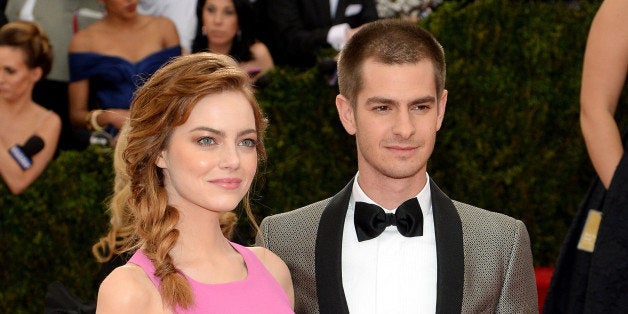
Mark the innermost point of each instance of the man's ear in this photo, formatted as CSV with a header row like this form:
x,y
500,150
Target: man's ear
x,y
346,114
442,105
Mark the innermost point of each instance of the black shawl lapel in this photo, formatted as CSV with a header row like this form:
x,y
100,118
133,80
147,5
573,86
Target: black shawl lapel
x,y
331,295
449,252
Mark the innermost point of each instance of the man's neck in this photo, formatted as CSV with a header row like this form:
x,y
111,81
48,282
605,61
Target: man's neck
x,y
391,192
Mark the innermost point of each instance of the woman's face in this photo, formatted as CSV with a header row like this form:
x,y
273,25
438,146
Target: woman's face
x,y
121,8
220,21
16,78
211,159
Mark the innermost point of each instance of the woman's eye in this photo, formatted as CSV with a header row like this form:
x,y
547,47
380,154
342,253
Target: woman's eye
x,y
206,141
248,142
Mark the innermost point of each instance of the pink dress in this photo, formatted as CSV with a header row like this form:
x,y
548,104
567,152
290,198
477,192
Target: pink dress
x,y
259,292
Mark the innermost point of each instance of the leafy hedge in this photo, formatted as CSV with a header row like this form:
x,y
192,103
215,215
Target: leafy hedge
x,y
47,232
510,143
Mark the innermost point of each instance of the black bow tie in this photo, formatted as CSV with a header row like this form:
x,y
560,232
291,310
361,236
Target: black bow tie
x,y
370,220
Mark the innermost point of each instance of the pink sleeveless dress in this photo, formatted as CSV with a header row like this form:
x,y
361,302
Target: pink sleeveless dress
x,y
259,292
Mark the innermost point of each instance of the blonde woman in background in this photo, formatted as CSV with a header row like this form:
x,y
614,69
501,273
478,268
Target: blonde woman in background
x,y
25,58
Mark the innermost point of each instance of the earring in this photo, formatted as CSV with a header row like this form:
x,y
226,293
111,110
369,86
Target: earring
x,y
204,31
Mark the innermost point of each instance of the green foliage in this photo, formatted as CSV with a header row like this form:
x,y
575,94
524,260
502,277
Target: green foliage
x,y
309,153
511,136
47,232
510,143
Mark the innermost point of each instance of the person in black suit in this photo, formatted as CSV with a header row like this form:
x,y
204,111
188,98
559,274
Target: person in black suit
x,y
301,27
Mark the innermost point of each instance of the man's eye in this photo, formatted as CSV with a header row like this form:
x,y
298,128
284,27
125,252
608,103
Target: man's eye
x,y
421,107
381,108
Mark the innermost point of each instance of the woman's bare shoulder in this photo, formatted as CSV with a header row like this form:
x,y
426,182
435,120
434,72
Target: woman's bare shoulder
x,y
128,289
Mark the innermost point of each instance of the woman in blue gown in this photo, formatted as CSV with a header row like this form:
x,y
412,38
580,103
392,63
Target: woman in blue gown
x,y
111,58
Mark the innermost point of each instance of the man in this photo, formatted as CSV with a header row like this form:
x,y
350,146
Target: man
x,y
301,27
452,257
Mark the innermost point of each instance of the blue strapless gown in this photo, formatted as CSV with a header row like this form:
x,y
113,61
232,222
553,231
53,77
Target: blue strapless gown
x,y
114,79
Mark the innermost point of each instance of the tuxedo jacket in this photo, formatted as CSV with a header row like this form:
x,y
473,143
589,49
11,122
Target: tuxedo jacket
x,y
301,26
484,258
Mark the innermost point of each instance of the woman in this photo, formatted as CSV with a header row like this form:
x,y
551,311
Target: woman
x,y
25,58
226,27
194,140
111,57
121,228
590,275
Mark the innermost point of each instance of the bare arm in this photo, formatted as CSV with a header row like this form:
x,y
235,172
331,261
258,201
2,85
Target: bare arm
x,y
262,58
604,73
17,179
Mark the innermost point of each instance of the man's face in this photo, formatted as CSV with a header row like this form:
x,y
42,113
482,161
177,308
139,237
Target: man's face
x,y
396,116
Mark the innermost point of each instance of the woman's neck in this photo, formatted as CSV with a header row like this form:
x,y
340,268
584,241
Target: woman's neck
x,y
15,108
199,231
123,24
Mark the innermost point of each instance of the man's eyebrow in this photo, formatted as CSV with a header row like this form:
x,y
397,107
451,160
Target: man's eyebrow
x,y
388,101
422,100
380,100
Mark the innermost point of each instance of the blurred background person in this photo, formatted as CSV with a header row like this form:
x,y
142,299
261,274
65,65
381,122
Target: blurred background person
x,y
193,145
227,27
25,58
590,275
60,19
3,17
302,27
111,58
180,12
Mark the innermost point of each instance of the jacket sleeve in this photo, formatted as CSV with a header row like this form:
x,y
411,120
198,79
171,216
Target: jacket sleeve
x,y
519,294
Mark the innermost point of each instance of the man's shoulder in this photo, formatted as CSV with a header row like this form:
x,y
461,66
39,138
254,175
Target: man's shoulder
x,y
295,226
306,212
476,216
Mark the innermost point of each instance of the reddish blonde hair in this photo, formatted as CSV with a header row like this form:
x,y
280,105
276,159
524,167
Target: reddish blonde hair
x,y
161,104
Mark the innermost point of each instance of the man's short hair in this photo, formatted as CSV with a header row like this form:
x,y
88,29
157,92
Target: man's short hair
x,y
388,41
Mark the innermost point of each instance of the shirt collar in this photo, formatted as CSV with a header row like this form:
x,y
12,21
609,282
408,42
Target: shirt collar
x,y
424,196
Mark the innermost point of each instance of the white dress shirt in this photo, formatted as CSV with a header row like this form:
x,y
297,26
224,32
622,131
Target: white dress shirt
x,y
390,273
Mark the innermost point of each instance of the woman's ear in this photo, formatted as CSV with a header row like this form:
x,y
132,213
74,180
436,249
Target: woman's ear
x,y
161,160
36,74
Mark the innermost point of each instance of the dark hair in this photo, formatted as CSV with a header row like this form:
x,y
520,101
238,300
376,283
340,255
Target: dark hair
x,y
30,38
389,41
241,47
